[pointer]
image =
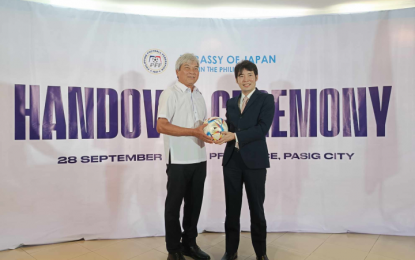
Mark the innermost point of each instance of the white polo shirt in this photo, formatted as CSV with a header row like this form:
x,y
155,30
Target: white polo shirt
x,y
184,108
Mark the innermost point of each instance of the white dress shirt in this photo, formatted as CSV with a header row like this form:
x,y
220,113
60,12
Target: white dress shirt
x,y
184,108
240,108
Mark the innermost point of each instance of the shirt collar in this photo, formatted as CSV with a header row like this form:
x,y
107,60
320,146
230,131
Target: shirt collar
x,y
249,95
184,88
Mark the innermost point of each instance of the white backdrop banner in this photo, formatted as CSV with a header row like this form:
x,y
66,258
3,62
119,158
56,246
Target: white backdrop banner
x,y
81,157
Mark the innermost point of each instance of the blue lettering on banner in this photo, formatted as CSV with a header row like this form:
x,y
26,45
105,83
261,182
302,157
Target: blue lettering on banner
x,y
324,112
313,156
275,130
128,131
233,59
150,119
215,155
298,117
212,156
102,112
380,109
215,107
32,112
54,100
220,64
297,156
317,114
109,158
86,117
359,121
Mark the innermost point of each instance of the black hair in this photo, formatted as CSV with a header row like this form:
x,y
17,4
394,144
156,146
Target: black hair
x,y
245,64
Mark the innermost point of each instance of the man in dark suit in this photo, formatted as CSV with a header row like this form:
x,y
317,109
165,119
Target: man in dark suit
x,y
249,117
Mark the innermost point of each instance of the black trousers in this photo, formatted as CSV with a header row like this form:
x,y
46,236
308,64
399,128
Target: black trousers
x,y
185,181
236,173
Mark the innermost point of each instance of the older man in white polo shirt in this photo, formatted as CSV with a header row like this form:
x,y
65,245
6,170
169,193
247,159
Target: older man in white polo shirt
x,y
181,113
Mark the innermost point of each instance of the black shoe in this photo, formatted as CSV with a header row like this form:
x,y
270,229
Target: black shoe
x,y
195,252
176,256
264,257
227,256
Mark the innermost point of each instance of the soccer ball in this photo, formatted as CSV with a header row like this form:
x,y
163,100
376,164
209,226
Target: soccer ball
x,y
215,127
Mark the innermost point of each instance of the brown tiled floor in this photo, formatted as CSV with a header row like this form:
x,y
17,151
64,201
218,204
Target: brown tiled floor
x,y
281,246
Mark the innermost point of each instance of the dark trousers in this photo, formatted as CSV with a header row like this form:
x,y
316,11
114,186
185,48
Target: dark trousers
x,y
185,181
236,173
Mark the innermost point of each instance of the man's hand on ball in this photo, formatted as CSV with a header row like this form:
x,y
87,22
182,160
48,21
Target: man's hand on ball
x,y
226,137
198,132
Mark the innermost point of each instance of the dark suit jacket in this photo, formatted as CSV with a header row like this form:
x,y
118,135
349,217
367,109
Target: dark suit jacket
x,y
251,128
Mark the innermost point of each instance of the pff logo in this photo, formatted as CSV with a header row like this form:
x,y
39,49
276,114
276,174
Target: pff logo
x,y
155,61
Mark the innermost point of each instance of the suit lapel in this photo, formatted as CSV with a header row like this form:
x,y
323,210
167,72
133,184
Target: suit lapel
x,y
236,103
252,99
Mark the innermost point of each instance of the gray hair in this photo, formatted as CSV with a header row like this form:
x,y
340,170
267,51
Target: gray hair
x,y
185,58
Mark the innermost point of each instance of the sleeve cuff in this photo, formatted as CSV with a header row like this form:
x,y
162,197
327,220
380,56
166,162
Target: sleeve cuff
x,y
162,116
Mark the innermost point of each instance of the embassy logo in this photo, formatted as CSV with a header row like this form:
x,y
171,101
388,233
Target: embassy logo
x,y
155,61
